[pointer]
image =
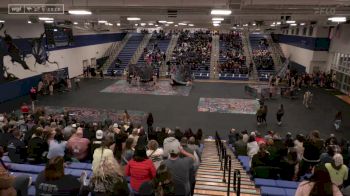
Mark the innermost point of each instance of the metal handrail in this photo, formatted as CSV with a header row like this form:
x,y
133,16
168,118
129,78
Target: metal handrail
x,y
237,177
228,159
225,167
223,156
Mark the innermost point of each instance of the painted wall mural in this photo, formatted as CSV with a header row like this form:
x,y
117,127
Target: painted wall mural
x,y
18,63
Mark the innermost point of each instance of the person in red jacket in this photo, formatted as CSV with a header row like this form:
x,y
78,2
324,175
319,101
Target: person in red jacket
x,y
24,109
140,169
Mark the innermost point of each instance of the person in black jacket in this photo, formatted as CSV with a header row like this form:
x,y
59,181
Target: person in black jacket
x,y
37,148
16,148
149,121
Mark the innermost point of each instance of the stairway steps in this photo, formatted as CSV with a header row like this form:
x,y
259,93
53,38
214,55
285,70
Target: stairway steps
x,y
218,180
219,177
224,189
216,173
222,184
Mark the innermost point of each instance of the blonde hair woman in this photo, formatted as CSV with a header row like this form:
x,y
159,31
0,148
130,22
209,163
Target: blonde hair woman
x,y
108,179
154,153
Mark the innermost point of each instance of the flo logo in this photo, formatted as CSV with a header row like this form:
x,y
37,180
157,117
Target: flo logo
x,y
325,11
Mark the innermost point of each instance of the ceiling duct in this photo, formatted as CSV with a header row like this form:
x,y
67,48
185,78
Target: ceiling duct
x,y
172,13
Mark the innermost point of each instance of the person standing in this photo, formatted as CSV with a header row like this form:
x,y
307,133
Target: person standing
x,y
337,121
307,99
77,81
259,114
280,113
149,121
264,114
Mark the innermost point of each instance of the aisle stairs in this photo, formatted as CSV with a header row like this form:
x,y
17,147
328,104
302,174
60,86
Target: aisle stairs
x,y
220,173
125,54
248,54
214,59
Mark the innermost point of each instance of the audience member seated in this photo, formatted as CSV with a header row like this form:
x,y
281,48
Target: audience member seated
x,y
135,136
97,141
103,152
261,158
37,148
128,151
53,180
154,153
319,184
337,170
16,148
107,179
57,146
252,146
162,184
240,147
78,146
140,169
262,59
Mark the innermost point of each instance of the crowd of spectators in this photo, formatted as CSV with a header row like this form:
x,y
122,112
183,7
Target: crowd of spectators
x,y
159,161
152,54
262,57
294,158
232,54
193,49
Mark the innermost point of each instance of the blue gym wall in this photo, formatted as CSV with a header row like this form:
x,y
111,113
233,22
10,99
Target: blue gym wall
x,y
311,43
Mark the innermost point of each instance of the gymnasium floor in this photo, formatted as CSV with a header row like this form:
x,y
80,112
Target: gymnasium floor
x,y
182,111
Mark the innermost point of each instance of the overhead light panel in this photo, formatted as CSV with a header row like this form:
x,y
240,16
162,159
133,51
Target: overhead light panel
x,y
79,12
133,18
182,24
191,25
118,24
136,25
278,23
150,24
290,21
293,24
272,25
254,24
45,18
337,19
220,12
143,24
166,25
156,25
302,24
221,19
109,24
216,24
170,22
176,25
29,22
102,21
49,21
75,23
162,21
245,25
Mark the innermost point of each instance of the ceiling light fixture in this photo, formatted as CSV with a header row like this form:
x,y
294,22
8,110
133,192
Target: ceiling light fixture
x,y
245,25
290,21
272,25
220,12
293,24
118,24
109,24
102,21
254,24
79,12
45,18
156,25
75,23
166,25
143,24
191,25
176,25
136,25
182,24
302,24
49,21
162,21
150,24
278,23
29,22
133,18
216,25
337,19
218,19
216,22
170,22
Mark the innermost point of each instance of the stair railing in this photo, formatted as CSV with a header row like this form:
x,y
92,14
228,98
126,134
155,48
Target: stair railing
x,y
223,156
237,182
225,167
228,159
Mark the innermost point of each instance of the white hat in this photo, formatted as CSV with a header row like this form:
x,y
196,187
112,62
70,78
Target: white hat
x,y
115,125
338,159
2,118
74,125
99,134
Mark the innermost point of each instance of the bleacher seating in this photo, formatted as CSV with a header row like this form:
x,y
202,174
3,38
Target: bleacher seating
x,y
261,56
232,63
125,55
